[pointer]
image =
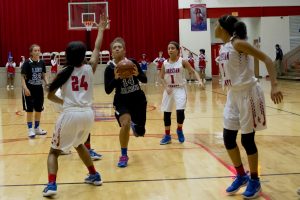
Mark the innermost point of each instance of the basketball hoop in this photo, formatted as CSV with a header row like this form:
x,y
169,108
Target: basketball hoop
x,y
88,25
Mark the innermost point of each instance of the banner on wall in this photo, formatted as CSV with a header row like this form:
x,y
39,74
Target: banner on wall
x,y
198,17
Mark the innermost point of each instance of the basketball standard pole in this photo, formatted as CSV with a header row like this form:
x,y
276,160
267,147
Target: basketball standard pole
x,y
88,40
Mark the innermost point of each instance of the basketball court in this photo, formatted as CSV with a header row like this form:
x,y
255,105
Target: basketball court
x,y
198,169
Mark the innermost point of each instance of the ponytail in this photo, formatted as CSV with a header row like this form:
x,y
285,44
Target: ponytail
x,y
61,78
233,26
240,30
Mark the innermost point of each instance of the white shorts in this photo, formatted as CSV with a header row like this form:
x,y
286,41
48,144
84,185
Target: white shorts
x,y
245,109
178,95
72,128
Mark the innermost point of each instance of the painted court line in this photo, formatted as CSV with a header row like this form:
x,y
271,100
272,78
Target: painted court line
x,y
141,180
210,152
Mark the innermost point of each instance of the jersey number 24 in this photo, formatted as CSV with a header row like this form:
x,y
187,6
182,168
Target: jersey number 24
x,y
79,83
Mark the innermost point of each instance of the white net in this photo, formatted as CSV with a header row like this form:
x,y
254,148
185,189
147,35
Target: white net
x,y
88,25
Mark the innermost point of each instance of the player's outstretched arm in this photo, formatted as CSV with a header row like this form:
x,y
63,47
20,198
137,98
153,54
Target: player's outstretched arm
x,y
245,47
104,21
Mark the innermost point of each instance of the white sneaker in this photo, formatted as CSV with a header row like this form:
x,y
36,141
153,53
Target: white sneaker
x,y
31,133
7,87
39,131
12,87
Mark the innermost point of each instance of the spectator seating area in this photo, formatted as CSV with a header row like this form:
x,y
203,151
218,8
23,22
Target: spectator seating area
x,y
104,57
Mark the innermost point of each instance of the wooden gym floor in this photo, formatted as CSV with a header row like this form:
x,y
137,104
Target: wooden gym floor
x,y
197,169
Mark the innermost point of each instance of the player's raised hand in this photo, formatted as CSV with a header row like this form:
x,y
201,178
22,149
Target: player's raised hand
x,y
103,22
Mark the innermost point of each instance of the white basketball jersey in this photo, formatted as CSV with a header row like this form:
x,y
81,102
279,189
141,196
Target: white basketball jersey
x,y
174,73
78,90
235,67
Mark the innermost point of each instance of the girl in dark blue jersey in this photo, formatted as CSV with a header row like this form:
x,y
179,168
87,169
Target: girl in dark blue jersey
x,y
129,101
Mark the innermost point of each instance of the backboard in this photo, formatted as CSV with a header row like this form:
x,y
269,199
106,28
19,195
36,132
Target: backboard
x,y
81,12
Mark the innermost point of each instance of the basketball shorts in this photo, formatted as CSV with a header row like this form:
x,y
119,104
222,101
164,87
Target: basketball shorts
x,y
137,109
72,128
245,109
10,75
178,96
35,101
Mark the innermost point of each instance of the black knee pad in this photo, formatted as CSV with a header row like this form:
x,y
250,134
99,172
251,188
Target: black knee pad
x,y
249,143
229,137
167,118
180,116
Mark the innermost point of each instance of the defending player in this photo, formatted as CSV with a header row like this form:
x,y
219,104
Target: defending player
x,y
75,122
173,79
245,105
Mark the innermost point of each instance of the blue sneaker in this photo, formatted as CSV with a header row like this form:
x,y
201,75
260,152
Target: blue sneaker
x,y
180,135
50,190
94,179
238,182
94,155
253,189
166,140
123,161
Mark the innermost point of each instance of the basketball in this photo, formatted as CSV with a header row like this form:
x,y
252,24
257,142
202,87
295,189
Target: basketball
x,y
125,68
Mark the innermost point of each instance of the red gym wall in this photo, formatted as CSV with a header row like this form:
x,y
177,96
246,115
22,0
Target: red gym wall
x,y
246,11
146,26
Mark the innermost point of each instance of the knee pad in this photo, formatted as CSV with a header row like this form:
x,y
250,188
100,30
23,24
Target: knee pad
x,y
249,143
180,116
229,137
167,118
